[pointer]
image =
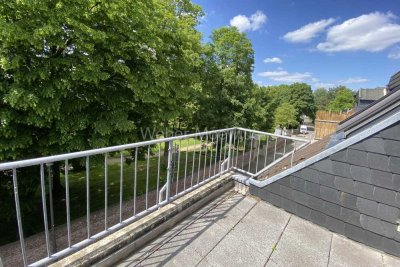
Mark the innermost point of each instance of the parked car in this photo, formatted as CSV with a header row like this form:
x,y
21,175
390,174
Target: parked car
x,y
303,129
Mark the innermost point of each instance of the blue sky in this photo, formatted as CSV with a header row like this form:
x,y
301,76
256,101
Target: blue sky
x,y
323,43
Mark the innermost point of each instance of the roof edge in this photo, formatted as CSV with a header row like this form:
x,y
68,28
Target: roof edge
x,y
326,153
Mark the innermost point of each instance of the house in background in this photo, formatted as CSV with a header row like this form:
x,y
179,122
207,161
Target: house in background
x,y
394,82
365,97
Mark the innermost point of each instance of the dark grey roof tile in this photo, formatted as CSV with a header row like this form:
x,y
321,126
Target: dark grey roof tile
x,y
348,200
364,190
335,225
385,195
378,226
388,213
345,184
394,164
392,148
360,173
375,145
350,216
367,206
378,162
385,179
329,194
341,169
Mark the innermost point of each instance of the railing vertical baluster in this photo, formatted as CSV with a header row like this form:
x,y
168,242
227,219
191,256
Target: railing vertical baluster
x,y
199,165
266,152
121,186
276,142
66,166
186,162
205,159
244,149
177,171
216,154
147,176
229,150
258,151
158,173
291,159
220,154
105,190
169,170
251,149
88,197
284,147
233,148
226,141
19,220
237,148
52,227
194,153
46,227
135,183
211,154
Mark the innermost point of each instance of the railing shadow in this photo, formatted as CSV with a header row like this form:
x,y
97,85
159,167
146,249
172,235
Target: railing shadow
x,y
165,248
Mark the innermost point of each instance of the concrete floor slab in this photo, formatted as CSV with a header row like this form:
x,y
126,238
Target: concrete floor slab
x,y
302,244
236,230
346,252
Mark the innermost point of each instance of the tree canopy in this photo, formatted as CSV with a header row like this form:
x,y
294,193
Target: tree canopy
x,y
286,116
82,74
335,99
226,79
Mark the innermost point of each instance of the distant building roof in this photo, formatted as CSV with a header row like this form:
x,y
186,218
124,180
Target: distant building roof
x,y
394,82
371,94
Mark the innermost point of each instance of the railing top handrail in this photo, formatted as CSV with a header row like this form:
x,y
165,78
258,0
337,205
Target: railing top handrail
x,y
274,135
97,151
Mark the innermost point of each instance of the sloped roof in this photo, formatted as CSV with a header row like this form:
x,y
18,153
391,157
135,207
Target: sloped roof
x,y
371,94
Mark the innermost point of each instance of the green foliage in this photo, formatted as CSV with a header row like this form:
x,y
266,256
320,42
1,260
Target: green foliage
x,y
286,116
344,99
322,98
335,99
82,74
225,79
298,94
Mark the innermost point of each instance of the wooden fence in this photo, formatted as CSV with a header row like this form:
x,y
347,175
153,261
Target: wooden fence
x,y
326,122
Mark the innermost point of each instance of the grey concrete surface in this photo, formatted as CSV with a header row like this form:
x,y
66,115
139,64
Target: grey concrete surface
x,y
237,230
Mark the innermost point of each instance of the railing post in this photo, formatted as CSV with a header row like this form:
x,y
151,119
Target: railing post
x,y
53,234
169,170
229,150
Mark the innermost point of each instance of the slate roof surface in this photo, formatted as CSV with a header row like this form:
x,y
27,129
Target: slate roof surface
x,y
299,156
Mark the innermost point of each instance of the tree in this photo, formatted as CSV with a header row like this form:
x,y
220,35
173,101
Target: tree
x,y
344,99
76,75
86,74
226,83
286,116
322,97
301,97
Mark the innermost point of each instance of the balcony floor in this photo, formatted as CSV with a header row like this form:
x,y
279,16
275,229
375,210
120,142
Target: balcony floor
x,y
236,230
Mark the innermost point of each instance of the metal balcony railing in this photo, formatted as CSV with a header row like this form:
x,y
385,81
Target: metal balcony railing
x,y
134,180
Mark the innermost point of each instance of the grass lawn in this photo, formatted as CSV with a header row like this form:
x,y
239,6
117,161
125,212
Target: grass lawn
x,y
77,181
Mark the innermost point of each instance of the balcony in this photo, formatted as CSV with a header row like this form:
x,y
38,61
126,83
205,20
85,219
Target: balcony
x,y
134,183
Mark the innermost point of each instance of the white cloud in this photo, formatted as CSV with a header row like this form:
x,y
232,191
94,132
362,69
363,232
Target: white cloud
x,y
273,60
395,53
371,32
252,23
308,32
324,85
284,76
354,80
